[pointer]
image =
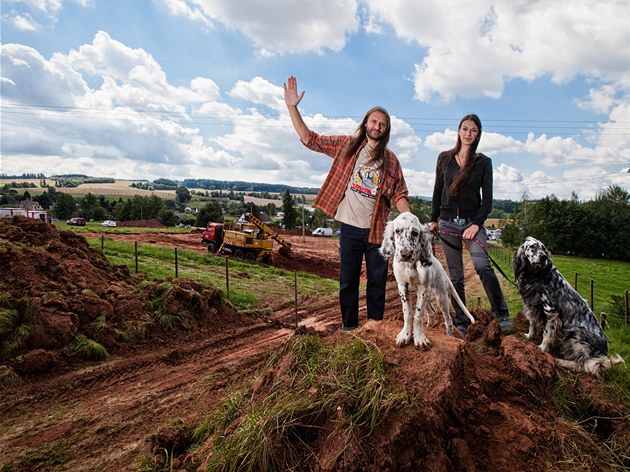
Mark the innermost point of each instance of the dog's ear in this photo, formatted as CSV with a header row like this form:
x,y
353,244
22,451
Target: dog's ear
x,y
519,261
388,246
424,246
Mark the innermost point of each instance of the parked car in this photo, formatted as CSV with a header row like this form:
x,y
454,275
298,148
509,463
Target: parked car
x,y
110,223
323,232
76,221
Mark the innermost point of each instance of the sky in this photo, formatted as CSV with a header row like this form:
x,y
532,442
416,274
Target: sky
x,y
177,89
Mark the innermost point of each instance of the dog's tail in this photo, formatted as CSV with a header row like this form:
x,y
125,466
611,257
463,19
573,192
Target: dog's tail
x,y
455,295
595,365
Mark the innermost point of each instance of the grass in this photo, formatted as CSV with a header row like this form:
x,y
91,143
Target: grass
x,y
81,344
583,436
250,285
339,389
610,280
15,323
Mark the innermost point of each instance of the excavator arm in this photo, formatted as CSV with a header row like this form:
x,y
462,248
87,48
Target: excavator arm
x,y
285,247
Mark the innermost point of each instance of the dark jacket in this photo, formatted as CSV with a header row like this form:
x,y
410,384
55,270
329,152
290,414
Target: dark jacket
x,y
475,199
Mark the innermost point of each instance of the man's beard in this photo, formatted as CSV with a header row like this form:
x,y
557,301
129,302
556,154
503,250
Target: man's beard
x,y
375,138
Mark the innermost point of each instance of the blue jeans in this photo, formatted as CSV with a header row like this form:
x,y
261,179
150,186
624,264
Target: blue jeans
x,y
484,270
353,245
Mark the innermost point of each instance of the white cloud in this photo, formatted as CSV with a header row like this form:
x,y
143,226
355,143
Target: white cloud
x,y
278,26
260,92
475,48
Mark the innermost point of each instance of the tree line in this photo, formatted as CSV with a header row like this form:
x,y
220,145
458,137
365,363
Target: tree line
x,y
596,228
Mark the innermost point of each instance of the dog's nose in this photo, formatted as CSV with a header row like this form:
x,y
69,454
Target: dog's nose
x,y
405,254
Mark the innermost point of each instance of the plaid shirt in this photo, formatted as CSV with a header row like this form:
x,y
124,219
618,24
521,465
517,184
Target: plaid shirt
x,y
391,189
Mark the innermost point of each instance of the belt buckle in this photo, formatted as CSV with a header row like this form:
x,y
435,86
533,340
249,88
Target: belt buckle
x,y
459,221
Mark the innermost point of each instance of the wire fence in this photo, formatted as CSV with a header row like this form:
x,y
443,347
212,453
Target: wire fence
x,y
617,306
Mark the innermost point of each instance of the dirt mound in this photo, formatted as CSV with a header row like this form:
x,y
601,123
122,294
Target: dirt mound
x,y
176,351
59,297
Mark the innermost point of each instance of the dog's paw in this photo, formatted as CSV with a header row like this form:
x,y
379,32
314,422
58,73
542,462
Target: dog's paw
x,y
403,338
544,347
422,342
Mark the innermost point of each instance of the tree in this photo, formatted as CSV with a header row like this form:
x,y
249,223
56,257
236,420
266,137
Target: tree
x,y
511,235
210,212
64,207
183,195
168,218
87,205
420,208
288,207
318,219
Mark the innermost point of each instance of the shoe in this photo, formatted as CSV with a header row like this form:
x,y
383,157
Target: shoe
x,y
348,328
463,329
506,325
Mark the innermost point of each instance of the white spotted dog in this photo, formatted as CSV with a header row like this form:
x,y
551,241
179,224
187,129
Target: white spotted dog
x,y
570,331
408,242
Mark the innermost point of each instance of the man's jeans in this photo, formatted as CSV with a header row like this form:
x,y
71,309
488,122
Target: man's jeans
x,y
353,245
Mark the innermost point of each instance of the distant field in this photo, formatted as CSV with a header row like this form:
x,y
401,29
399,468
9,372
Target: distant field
x,y
120,188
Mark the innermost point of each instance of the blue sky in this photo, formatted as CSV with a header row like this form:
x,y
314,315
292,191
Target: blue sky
x,y
147,89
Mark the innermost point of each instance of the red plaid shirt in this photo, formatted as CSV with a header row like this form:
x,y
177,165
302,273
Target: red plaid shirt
x,y
391,189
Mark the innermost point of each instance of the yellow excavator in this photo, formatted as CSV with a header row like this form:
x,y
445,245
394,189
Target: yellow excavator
x,y
251,240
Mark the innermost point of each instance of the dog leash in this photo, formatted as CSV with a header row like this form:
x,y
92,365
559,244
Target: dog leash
x,y
452,246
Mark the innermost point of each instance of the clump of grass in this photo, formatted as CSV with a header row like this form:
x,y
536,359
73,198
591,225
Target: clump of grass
x,y
8,377
15,324
81,344
585,443
339,389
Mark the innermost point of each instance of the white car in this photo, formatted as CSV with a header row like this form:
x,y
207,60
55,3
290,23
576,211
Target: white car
x,y
110,223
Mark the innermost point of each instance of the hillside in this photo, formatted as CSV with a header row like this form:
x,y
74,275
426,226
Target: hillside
x,y
486,402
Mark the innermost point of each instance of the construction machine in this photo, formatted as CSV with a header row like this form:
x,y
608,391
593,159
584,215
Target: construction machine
x,y
251,240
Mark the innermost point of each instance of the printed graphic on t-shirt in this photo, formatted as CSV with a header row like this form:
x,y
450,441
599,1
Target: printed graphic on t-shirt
x,y
365,181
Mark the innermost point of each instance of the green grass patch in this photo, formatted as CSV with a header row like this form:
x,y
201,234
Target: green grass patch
x,y
326,389
250,285
15,323
610,281
81,344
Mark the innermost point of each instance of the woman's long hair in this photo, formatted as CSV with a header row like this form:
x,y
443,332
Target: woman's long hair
x,y
361,135
460,179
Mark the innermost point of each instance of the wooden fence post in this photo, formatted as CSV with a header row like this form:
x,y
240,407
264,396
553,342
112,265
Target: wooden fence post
x,y
227,278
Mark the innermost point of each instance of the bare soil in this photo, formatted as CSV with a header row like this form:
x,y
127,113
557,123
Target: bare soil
x,y
484,403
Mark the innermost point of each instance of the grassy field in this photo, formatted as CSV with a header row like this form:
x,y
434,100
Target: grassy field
x,y
250,286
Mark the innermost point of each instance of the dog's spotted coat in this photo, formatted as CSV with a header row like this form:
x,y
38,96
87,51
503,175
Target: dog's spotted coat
x,y
570,331
408,242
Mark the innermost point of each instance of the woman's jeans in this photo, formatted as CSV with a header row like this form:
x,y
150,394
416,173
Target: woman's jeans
x,y
454,261
353,245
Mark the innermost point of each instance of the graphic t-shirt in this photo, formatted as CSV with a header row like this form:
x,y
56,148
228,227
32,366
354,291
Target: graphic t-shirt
x,y
358,203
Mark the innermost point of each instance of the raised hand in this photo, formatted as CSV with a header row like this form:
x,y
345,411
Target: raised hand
x,y
291,97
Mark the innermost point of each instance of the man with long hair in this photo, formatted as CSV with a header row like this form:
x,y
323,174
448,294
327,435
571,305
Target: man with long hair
x,y
364,182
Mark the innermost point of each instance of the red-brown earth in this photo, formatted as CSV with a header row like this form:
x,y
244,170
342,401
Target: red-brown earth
x,y
484,403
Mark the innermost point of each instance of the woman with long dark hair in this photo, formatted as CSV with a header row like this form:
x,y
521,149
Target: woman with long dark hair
x,y
462,200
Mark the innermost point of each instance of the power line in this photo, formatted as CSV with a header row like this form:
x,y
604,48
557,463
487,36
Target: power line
x,y
418,124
